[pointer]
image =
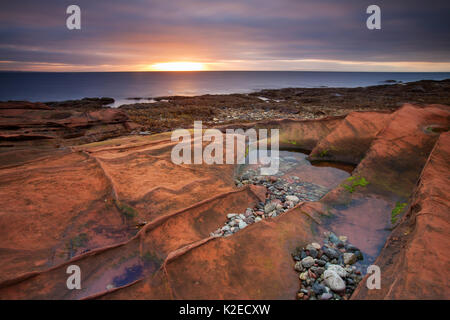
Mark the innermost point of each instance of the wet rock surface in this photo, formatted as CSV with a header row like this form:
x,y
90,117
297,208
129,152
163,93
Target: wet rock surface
x,y
412,259
324,271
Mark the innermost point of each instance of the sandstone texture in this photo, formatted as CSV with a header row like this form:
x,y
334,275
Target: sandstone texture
x,y
140,226
27,129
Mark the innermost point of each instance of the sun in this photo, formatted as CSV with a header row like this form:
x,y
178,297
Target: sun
x,y
178,66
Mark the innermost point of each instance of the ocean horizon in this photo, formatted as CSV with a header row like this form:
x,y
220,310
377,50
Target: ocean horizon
x,y
124,87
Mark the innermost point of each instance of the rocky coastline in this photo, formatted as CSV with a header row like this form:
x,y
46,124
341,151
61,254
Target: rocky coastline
x,y
164,114
94,183
171,112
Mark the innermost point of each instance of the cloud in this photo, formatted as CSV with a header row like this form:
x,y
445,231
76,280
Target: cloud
x,y
253,34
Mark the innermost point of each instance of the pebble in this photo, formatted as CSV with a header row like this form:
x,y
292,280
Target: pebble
x,y
298,266
333,238
249,220
349,258
330,253
312,251
269,207
294,199
308,262
326,296
338,269
317,270
248,212
289,204
242,225
318,288
359,255
320,279
333,281
320,262
303,276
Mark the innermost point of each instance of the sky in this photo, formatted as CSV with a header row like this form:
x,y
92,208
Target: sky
x,y
138,35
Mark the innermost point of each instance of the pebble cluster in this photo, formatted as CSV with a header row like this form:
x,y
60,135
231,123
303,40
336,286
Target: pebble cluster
x,y
327,272
281,196
252,114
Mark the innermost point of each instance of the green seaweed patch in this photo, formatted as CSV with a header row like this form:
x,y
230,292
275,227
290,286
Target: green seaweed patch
x,y
435,129
293,142
126,210
398,209
355,181
324,153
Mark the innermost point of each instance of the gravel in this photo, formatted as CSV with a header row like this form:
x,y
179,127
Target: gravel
x,y
328,275
282,195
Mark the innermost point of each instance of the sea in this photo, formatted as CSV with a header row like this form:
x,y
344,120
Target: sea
x,y
125,87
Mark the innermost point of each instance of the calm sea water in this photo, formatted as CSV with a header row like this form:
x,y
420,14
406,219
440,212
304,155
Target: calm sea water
x,y
41,86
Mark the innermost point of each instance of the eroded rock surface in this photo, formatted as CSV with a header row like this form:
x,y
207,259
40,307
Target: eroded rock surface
x,y
139,226
351,139
415,260
28,129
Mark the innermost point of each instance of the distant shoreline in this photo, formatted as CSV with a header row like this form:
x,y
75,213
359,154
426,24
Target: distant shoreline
x,y
166,113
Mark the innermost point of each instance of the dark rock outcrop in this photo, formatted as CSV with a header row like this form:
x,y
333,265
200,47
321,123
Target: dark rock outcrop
x,y
26,125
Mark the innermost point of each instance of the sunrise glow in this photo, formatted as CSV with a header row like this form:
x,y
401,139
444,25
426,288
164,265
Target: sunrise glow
x,y
178,66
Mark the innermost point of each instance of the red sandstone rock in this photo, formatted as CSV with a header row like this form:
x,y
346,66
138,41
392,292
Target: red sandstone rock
x,y
26,124
351,139
415,261
147,221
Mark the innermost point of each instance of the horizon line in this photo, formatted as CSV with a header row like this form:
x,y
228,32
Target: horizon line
x,y
197,71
